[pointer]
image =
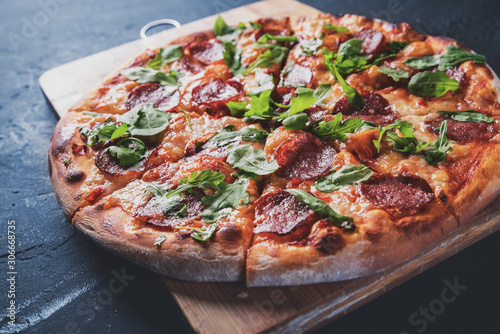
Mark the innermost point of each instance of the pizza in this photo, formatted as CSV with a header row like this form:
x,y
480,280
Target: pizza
x,y
281,153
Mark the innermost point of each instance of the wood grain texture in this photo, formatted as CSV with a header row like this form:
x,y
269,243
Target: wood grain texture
x,y
233,308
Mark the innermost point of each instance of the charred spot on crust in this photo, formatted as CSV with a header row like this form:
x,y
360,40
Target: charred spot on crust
x,y
331,243
74,176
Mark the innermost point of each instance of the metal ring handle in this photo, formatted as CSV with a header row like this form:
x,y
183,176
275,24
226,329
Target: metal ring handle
x,y
155,23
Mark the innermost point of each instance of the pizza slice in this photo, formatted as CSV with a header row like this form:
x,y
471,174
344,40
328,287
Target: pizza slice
x,y
323,216
93,154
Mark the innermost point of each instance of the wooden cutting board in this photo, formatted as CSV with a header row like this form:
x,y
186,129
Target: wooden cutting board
x,y
233,308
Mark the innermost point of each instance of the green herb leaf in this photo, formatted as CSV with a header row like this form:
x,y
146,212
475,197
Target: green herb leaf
x,y
404,127
260,107
246,158
454,56
394,48
227,136
311,46
237,109
232,58
226,33
296,122
128,151
206,233
254,25
227,198
322,92
146,120
349,57
336,129
323,209
166,55
432,84
275,55
266,37
395,73
246,175
467,116
438,150
347,175
334,28
352,96
145,75
304,99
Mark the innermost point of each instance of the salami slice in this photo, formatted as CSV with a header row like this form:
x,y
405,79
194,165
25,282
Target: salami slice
x,y
155,94
376,109
372,41
407,194
463,132
152,211
206,52
304,156
217,92
280,213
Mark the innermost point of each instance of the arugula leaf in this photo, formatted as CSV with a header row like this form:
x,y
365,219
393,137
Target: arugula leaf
x,y
311,46
146,120
275,55
145,75
265,82
404,127
432,84
437,153
128,151
206,179
336,129
302,101
323,209
348,174
349,57
166,55
394,48
227,136
237,108
226,33
260,107
467,116
103,132
395,73
221,203
334,28
160,240
351,94
232,58
204,234
322,92
246,158
365,125
266,37
254,25
454,56
296,122
246,175
409,144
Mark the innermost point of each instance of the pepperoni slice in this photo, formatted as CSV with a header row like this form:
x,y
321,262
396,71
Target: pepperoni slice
x,y
154,214
206,52
298,75
155,94
463,132
188,64
280,213
109,164
372,41
304,156
407,194
217,92
376,109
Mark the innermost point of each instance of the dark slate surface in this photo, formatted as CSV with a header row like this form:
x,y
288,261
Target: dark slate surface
x,y
63,281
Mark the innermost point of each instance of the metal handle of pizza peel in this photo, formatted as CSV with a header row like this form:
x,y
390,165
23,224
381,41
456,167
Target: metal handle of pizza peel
x,y
155,23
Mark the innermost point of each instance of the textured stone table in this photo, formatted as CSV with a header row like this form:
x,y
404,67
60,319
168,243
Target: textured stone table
x,y
64,284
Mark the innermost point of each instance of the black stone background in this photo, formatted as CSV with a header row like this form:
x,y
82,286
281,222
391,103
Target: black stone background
x,y
60,273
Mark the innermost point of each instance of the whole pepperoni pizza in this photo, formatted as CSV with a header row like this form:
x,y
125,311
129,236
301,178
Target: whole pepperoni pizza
x,y
282,154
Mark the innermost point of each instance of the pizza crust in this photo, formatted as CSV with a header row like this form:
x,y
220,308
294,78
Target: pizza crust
x,y
223,260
